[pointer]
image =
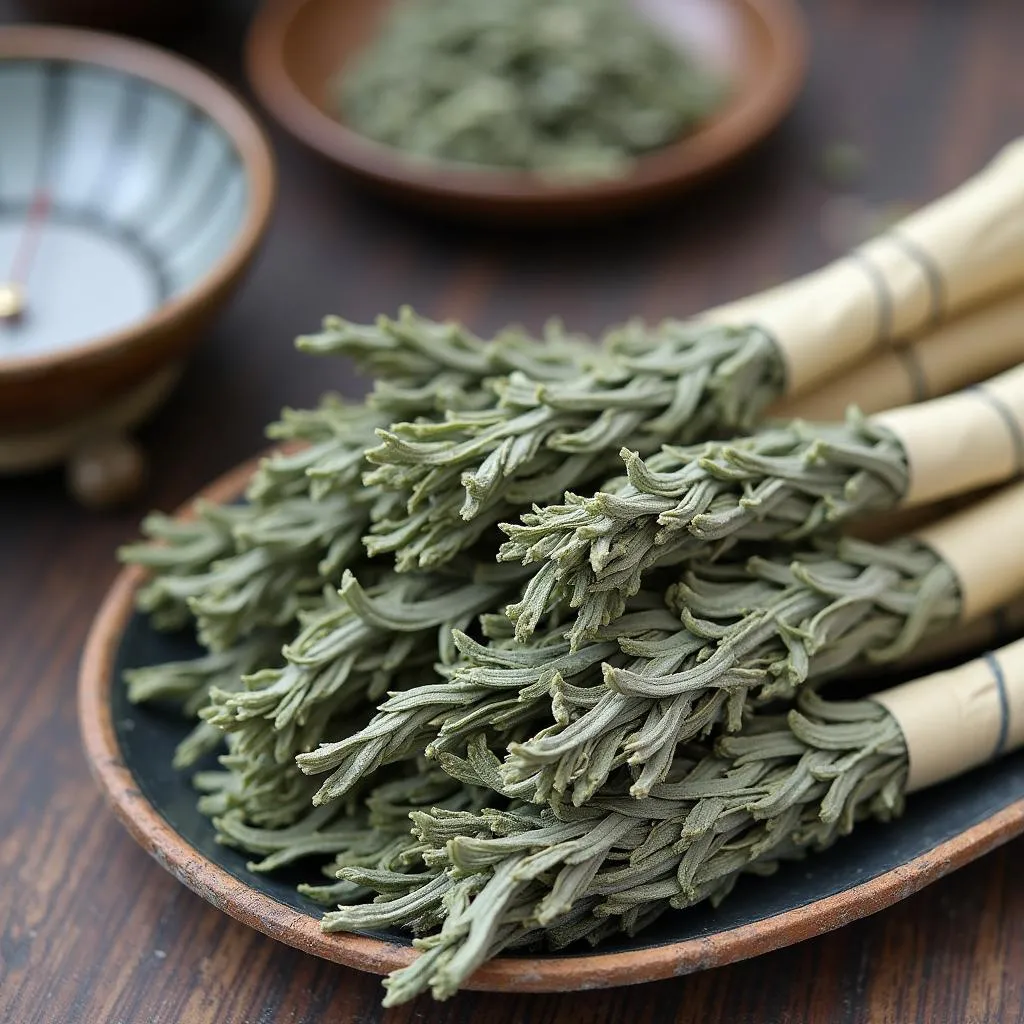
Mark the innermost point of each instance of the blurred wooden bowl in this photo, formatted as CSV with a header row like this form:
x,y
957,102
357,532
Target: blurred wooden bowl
x,y
296,47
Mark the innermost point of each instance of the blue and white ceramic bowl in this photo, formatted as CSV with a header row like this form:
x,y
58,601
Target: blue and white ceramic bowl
x,y
134,189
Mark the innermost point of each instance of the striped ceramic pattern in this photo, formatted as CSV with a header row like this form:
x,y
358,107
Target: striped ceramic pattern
x,y
123,160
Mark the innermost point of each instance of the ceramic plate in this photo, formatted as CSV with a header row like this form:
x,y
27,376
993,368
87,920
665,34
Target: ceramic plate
x,y
129,749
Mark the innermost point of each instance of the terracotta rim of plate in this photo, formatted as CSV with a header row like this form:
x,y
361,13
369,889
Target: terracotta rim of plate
x,y
521,974
744,122
220,104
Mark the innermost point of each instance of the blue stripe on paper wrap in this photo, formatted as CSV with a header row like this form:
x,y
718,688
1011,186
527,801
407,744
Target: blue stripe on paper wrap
x,y
1004,702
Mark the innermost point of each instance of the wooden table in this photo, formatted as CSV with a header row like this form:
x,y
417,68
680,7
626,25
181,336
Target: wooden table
x,y
92,930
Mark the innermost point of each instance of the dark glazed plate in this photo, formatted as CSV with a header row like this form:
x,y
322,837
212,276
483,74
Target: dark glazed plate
x,y
129,750
296,47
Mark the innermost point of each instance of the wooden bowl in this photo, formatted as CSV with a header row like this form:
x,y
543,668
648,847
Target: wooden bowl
x,y
296,47
129,749
158,185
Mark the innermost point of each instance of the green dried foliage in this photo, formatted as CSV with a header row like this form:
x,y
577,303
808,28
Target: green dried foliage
x,y
441,714
612,746
569,89
422,364
460,474
239,568
189,684
727,636
782,483
176,550
274,565
526,875
361,645
370,834
752,632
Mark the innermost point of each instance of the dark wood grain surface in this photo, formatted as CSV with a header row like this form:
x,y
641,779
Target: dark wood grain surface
x,y
92,930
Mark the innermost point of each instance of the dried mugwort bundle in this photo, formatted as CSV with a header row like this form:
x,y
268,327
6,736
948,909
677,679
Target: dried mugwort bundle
x,y
783,483
253,570
659,676
759,630
751,632
496,687
522,875
536,437
457,475
733,634
363,643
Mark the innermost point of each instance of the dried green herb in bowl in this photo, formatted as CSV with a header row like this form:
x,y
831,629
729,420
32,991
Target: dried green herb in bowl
x,y
567,89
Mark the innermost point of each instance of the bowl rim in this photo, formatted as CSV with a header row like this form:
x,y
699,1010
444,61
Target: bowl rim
x,y
740,124
221,105
554,973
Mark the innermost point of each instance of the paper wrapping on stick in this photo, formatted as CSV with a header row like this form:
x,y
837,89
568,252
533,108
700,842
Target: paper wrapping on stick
x,y
950,254
975,234
973,346
822,322
959,352
956,720
984,545
964,441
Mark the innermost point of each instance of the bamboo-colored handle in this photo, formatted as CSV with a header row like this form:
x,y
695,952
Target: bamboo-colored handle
x,y
962,351
953,253
964,441
970,243
955,720
984,545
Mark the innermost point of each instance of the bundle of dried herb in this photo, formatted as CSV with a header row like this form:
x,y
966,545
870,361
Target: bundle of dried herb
x,y
255,568
520,875
371,834
595,729
650,681
362,644
535,437
538,437
242,574
496,687
786,482
568,89
729,634
234,567
751,633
